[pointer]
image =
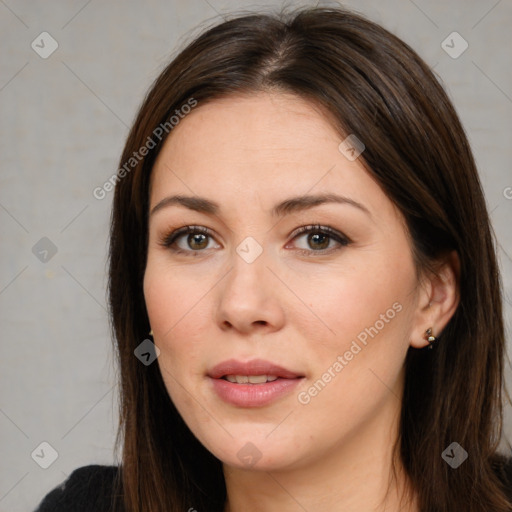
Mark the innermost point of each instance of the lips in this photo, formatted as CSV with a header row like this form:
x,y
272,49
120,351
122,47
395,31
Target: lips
x,y
254,368
256,383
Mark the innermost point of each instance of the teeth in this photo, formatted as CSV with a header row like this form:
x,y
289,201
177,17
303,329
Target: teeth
x,y
250,379
257,379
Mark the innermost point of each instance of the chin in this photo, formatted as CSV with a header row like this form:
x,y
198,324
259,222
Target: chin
x,y
258,454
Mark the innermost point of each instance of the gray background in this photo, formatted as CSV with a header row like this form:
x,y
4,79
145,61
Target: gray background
x,y
63,123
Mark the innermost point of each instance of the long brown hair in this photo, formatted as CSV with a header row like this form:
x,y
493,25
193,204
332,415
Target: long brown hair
x,y
375,86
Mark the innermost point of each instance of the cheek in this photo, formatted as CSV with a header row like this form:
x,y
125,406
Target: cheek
x,y
361,295
171,297
178,316
358,362
173,306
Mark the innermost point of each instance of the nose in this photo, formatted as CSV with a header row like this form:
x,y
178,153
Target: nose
x,y
249,298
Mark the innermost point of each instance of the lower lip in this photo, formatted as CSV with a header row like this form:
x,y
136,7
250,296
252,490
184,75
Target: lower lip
x,y
253,395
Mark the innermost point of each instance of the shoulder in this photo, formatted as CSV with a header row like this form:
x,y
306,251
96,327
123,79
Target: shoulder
x,y
87,489
502,466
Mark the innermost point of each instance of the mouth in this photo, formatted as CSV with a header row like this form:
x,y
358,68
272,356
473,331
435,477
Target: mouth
x,y
254,368
250,379
254,383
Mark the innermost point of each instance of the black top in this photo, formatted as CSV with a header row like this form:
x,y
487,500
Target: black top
x,y
90,489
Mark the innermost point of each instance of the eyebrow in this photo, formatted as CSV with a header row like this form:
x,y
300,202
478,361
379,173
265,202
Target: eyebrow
x,y
291,205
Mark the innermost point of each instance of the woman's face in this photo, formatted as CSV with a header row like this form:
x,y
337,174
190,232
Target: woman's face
x,y
330,312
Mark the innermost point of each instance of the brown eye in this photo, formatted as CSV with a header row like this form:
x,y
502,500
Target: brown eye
x,y
319,239
192,240
197,241
189,239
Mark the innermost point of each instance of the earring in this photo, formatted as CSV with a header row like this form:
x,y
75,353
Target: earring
x,y
430,338
151,332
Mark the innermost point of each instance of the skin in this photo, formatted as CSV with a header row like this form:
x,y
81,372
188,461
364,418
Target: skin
x,y
248,153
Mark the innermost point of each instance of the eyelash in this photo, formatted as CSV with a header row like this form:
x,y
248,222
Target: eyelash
x,y
170,239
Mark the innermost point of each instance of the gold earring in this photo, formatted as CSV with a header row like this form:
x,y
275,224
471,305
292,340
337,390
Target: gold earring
x,y
430,338
151,332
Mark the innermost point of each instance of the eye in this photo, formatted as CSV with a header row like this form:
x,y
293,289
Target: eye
x,y
197,239
191,240
320,239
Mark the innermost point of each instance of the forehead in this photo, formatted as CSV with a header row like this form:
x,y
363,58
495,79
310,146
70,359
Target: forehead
x,y
251,126
258,147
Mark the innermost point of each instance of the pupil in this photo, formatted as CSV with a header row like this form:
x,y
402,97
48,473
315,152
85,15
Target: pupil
x,y
197,237
317,238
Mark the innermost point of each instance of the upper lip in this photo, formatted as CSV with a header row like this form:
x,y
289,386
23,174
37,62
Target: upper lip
x,y
253,367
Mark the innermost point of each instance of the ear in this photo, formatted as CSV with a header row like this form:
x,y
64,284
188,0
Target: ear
x,y
438,298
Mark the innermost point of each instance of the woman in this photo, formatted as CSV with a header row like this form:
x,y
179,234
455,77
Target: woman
x,y
299,225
